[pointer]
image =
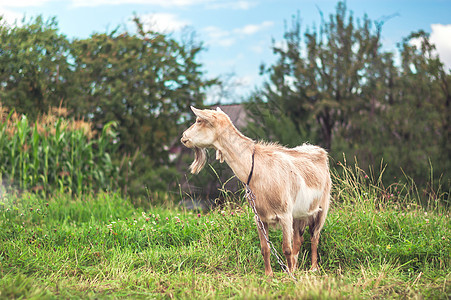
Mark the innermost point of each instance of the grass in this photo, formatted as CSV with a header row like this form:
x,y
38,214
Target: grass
x,y
100,246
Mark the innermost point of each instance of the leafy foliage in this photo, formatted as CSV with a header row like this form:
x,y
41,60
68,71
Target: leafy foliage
x,y
145,82
335,86
35,71
55,153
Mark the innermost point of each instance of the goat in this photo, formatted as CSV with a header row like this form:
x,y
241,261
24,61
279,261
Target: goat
x,y
291,186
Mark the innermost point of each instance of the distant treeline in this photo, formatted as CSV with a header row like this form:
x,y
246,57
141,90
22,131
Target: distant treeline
x,y
332,85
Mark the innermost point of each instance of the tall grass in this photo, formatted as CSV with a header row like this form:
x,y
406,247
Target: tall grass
x,y
374,245
55,153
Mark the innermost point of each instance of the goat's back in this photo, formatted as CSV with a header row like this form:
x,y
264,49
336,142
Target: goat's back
x,y
300,173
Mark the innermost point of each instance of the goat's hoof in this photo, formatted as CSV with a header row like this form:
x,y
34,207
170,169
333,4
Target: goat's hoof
x,y
313,269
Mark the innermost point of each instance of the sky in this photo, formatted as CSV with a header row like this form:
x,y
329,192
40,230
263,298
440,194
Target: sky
x,y
237,35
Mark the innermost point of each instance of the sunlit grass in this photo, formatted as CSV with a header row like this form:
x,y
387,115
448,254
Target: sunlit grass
x,y
102,246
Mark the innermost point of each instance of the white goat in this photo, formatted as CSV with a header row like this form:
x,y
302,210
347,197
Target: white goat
x,y
292,186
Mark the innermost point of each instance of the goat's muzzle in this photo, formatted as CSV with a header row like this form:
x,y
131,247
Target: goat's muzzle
x,y
185,141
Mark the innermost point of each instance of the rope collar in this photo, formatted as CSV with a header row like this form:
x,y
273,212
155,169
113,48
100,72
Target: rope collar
x,y
252,168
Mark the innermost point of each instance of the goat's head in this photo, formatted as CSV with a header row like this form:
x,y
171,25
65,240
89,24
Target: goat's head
x,y
202,134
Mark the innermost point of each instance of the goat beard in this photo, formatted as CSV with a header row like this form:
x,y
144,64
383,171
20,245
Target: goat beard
x,y
200,159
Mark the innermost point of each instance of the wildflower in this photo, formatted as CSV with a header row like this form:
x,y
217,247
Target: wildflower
x,y
147,219
366,176
388,247
443,238
198,215
427,221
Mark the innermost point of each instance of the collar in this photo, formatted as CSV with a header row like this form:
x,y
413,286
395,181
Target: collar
x,y
252,168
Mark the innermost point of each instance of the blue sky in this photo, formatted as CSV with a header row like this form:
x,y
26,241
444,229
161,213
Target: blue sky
x,y
238,34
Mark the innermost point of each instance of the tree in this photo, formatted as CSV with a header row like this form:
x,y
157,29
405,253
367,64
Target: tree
x,y
34,66
335,86
144,81
319,85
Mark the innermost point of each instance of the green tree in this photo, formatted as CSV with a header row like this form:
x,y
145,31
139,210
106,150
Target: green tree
x,y
317,82
34,66
145,82
335,86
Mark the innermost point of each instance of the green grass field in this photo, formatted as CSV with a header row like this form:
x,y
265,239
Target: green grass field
x,y
375,244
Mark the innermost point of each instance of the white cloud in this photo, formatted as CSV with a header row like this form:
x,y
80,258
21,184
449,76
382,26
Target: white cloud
x,y
441,37
219,37
10,17
162,3
254,28
23,3
235,5
163,22
209,4
216,36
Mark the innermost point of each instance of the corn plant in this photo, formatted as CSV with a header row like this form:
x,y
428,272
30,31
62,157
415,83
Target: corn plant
x,y
56,153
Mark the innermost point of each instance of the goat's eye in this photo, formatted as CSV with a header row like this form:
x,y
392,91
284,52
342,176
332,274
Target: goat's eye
x,y
199,121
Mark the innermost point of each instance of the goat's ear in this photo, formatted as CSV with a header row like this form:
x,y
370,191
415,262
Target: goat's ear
x,y
201,113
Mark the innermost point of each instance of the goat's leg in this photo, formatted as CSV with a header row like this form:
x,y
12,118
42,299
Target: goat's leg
x,y
315,227
298,239
266,252
287,230
315,242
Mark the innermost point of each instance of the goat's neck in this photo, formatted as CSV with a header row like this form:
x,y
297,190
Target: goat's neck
x,y
237,152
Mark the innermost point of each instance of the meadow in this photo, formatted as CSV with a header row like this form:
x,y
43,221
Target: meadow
x,y
378,242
